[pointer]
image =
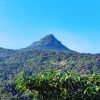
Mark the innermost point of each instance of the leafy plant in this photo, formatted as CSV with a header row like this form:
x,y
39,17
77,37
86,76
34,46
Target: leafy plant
x,y
58,85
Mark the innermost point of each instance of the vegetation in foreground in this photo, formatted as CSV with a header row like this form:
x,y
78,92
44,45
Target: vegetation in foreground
x,y
57,85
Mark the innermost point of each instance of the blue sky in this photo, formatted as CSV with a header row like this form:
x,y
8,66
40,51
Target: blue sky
x,y
74,22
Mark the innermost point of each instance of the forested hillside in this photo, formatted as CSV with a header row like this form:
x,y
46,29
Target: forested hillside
x,y
35,60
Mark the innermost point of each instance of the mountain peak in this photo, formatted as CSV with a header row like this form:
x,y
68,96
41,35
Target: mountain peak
x,y
49,42
50,36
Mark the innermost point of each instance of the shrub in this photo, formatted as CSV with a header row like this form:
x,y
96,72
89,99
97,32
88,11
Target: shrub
x,y
59,85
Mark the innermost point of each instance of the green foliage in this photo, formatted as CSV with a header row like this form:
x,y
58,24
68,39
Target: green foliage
x,y
13,62
58,85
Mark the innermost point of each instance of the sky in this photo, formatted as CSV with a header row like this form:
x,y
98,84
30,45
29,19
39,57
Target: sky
x,y
76,23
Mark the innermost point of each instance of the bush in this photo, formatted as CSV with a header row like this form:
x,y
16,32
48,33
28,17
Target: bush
x,y
59,85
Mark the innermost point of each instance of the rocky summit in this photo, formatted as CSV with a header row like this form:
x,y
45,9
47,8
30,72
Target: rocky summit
x,y
49,42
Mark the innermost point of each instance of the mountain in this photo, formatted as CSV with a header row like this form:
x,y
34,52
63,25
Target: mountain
x,y
49,42
41,56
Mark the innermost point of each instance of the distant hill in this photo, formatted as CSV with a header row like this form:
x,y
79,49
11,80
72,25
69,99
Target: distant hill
x,y
49,42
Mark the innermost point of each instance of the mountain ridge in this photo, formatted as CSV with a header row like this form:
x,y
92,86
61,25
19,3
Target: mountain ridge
x,y
49,42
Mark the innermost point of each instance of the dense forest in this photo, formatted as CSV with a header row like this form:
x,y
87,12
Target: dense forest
x,y
13,63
